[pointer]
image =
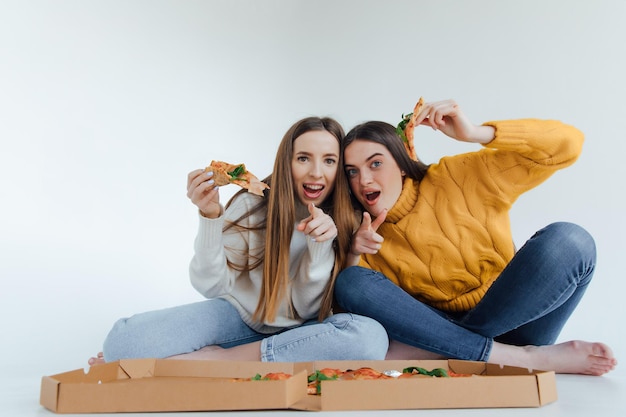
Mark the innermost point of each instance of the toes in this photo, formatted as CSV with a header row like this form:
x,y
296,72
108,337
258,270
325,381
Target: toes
x,y
600,349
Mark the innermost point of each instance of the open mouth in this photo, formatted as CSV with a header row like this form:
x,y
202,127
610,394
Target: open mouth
x,y
313,191
372,196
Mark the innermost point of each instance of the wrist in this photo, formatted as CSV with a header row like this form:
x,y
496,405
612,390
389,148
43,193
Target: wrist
x,y
211,215
484,134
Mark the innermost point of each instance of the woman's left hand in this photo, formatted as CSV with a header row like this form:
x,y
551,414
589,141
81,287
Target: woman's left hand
x,y
319,226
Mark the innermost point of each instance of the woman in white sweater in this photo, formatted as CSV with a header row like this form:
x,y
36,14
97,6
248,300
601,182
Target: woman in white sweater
x,y
267,267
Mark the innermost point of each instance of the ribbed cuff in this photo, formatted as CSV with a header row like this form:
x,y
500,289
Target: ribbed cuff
x,y
512,133
319,250
209,230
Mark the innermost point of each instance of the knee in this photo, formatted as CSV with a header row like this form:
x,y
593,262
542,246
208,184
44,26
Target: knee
x,y
370,340
116,343
573,240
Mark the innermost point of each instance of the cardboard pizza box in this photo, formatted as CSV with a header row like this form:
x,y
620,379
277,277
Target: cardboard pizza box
x,y
489,386
160,385
153,385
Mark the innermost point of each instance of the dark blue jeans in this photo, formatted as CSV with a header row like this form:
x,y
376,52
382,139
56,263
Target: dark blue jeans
x,y
528,304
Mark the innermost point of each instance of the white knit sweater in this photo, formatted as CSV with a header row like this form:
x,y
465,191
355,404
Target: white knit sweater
x,y
310,266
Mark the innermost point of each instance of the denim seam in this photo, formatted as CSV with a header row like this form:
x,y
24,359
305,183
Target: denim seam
x,y
268,344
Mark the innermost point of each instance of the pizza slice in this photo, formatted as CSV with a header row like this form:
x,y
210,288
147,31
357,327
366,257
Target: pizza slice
x,y
315,379
363,373
332,374
406,128
272,376
225,173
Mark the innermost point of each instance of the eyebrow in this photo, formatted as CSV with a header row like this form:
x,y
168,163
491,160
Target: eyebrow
x,y
310,153
372,156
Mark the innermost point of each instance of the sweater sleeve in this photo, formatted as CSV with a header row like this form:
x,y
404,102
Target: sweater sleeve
x,y
313,271
526,152
209,271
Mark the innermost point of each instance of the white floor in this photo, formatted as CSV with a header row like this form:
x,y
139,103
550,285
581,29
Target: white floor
x,y
579,396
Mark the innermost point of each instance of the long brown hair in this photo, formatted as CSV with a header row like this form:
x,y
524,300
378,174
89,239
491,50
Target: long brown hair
x,y
280,201
385,134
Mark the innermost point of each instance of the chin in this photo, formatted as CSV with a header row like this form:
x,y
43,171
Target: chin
x,y
375,212
317,201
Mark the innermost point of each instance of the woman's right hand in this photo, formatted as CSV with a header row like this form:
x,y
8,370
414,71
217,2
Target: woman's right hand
x,y
203,193
365,239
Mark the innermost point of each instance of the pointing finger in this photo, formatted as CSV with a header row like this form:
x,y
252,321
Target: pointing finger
x,y
379,220
314,211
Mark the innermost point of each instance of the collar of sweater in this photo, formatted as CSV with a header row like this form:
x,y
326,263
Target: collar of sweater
x,y
405,203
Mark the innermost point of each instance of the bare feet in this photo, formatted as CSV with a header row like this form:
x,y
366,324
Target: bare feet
x,y
573,357
98,360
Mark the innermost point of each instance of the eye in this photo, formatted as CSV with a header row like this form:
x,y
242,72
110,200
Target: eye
x,y
330,161
302,158
376,164
351,172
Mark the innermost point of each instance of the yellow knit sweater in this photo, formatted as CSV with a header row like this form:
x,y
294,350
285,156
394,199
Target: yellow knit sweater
x,y
448,237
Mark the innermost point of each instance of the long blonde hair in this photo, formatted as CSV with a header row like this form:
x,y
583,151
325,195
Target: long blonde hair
x,y
280,201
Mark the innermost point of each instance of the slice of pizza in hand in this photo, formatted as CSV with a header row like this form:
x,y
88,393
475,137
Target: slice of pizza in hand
x,y
225,173
406,127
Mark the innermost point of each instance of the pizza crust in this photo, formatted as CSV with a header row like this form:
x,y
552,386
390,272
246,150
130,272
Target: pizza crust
x,y
410,128
224,173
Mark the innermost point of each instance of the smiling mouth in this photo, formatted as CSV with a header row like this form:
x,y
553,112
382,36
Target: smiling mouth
x,y
312,190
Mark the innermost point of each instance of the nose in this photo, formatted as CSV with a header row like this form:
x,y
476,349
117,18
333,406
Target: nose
x,y
365,178
316,170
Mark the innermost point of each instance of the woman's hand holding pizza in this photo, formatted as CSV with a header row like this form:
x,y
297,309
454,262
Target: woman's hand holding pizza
x,y
319,226
365,239
202,192
447,117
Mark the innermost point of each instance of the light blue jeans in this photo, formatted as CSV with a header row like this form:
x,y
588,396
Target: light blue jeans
x,y
528,304
187,328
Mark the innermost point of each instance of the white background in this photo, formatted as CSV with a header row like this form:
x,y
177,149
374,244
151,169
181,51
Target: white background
x,y
105,106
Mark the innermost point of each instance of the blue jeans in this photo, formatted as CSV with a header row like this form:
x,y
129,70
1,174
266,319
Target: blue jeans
x,y
528,304
187,328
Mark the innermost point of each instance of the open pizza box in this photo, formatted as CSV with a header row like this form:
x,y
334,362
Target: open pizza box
x,y
159,385
489,386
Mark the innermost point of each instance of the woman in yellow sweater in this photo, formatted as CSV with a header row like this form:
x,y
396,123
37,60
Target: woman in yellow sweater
x,y
437,266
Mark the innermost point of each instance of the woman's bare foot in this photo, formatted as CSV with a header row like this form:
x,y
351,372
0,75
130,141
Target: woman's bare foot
x,y
98,360
573,357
